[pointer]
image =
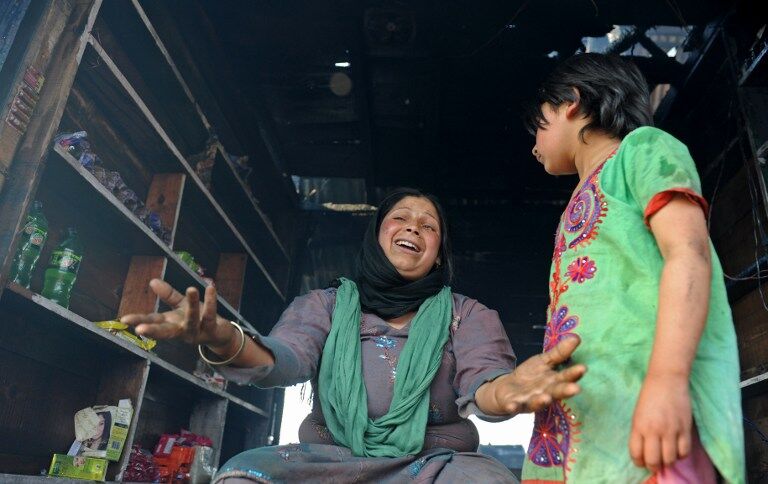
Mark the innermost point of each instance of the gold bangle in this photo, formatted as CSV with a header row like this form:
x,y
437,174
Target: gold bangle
x,y
231,358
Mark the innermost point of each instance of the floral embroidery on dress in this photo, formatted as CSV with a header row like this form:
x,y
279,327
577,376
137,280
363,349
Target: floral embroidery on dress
x,y
555,430
581,269
586,211
386,344
556,427
558,326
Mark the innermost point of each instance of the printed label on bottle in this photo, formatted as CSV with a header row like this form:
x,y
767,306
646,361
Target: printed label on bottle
x,y
66,260
36,234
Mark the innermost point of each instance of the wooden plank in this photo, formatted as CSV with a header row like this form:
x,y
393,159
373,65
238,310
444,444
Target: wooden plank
x,y
137,296
751,322
208,417
230,277
124,380
164,197
193,176
24,174
38,56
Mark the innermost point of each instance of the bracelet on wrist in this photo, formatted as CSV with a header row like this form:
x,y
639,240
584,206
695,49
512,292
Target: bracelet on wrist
x,y
232,358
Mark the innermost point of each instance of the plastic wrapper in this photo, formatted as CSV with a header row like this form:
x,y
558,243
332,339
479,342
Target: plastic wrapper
x,y
187,258
141,467
141,211
75,143
242,165
209,375
114,181
121,331
88,160
202,470
100,173
127,197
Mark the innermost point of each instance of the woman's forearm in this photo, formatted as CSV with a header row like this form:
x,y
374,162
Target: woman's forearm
x,y
253,354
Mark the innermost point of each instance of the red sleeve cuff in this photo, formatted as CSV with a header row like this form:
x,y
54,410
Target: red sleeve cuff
x,y
661,199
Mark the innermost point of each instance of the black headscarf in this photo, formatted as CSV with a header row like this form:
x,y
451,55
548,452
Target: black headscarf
x,y
383,291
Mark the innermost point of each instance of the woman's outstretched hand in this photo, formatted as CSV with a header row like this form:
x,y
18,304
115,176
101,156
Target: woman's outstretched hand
x,y
189,320
534,384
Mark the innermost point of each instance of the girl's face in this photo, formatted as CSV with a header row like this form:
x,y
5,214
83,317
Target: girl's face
x,y
410,237
554,141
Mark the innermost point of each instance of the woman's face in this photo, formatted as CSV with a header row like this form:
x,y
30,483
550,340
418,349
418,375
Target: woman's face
x,y
410,237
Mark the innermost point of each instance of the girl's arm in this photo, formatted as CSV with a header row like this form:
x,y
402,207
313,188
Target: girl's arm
x,y
661,426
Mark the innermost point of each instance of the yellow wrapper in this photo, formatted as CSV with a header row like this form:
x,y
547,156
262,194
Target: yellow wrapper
x,y
121,331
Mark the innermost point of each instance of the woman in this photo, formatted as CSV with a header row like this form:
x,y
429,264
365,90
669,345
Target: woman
x,y
404,363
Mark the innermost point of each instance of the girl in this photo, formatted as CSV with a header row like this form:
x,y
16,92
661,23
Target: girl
x,y
635,276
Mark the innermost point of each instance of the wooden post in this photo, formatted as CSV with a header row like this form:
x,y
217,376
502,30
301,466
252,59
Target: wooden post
x,y
137,296
230,277
164,197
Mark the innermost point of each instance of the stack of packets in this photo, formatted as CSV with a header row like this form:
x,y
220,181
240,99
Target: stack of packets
x,y
120,330
184,456
100,434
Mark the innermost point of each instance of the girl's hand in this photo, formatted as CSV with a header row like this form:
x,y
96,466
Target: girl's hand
x,y
661,426
189,320
534,384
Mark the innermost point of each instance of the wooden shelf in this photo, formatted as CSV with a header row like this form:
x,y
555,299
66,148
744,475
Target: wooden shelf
x,y
755,385
112,76
200,189
42,309
177,273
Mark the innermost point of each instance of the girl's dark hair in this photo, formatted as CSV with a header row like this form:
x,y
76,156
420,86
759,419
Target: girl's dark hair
x,y
446,254
612,94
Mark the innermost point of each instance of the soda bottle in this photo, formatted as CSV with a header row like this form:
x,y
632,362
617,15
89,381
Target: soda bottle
x,y
62,269
32,240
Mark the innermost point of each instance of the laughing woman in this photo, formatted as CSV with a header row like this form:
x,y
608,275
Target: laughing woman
x,y
397,363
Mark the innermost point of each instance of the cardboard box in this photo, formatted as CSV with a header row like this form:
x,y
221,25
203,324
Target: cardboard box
x,y
78,467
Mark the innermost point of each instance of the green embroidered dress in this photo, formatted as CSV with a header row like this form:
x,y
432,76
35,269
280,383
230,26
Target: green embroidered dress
x,y
604,287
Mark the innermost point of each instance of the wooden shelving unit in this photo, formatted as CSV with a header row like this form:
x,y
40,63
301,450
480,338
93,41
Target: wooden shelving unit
x,y
112,76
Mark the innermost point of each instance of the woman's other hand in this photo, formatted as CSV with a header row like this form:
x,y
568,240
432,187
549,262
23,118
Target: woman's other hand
x,y
189,320
534,384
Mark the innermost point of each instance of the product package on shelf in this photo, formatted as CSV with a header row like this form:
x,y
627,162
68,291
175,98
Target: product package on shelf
x,y
141,466
209,375
78,467
190,261
184,457
101,431
204,161
78,146
31,241
122,330
63,266
242,167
